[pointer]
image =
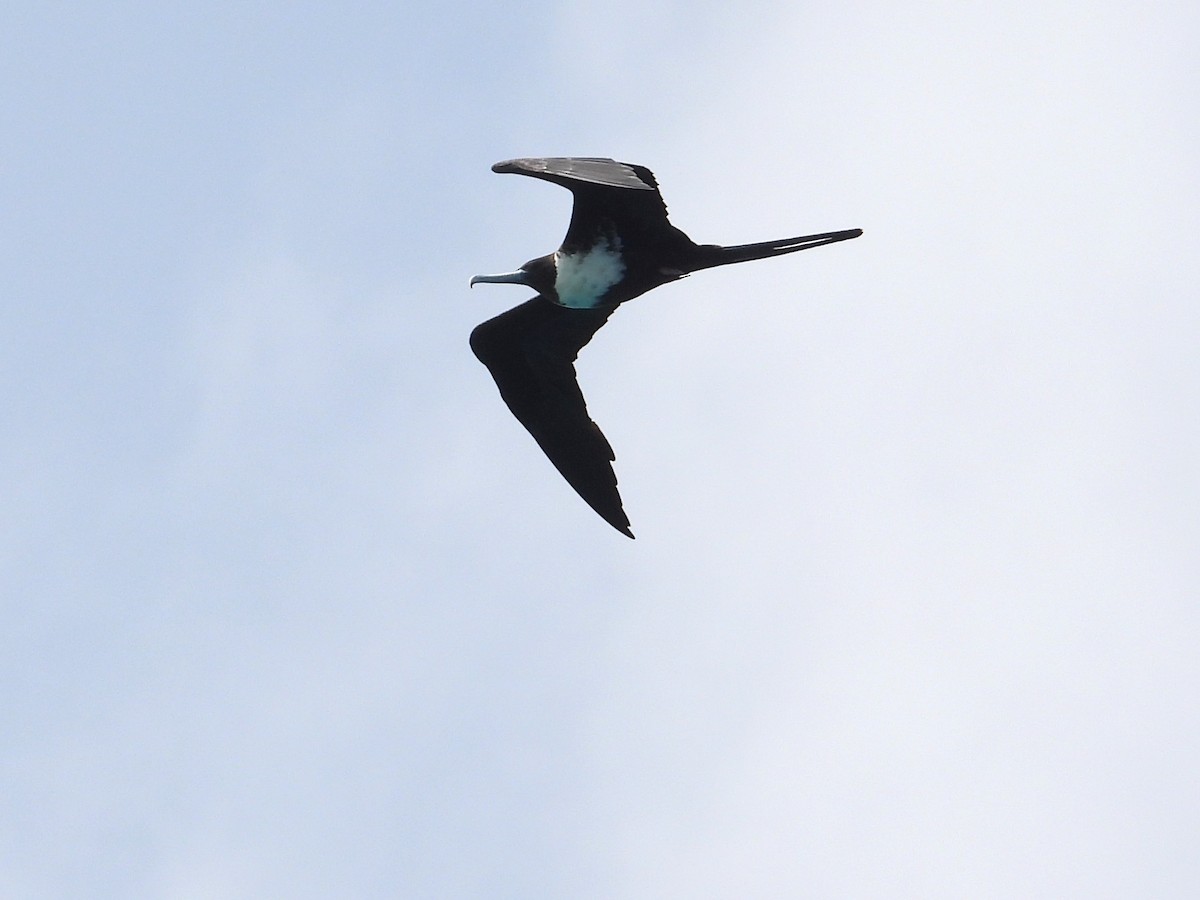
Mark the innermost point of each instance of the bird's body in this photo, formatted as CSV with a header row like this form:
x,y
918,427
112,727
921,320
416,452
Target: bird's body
x,y
618,245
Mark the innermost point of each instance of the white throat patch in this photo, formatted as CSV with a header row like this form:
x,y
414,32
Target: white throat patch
x,y
581,279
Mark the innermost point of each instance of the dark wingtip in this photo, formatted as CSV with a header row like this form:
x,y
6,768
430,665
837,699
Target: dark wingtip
x,y
614,516
613,513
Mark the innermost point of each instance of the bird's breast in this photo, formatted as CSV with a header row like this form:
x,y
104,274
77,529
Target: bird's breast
x,y
582,279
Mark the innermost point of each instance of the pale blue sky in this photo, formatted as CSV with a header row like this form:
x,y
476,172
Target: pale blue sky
x,y
290,606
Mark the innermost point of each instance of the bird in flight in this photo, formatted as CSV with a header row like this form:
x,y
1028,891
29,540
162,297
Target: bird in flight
x,y
618,245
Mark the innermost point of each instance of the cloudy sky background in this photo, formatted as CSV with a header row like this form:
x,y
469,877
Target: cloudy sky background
x,y
290,606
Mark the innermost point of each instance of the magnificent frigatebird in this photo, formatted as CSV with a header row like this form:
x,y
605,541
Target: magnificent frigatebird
x,y
619,245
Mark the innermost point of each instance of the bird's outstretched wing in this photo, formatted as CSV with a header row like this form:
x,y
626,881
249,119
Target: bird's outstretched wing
x,y
609,196
530,351
566,170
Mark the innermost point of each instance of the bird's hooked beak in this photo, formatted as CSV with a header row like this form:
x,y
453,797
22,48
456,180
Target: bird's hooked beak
x,y
518,277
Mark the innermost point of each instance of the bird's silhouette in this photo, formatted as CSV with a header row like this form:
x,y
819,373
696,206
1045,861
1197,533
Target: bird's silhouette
x,y
618,245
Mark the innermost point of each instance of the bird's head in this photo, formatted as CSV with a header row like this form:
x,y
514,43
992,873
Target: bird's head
x,y
538,274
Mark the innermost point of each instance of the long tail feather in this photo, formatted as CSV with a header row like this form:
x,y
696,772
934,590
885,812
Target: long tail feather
x,y
721,256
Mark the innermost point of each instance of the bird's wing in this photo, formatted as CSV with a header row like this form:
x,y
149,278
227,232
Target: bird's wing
x,y
530,351
608,195
568,170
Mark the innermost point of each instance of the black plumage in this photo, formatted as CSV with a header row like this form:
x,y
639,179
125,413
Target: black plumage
x,y
619,244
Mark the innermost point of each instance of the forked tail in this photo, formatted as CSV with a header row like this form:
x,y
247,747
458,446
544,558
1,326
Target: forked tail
x,y
714,255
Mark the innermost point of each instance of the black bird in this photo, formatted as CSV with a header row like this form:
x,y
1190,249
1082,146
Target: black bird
x,y
619,245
